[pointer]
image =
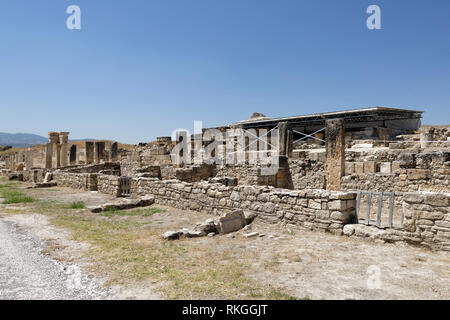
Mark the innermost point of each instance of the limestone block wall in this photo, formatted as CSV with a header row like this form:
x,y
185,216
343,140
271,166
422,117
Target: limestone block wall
x,y
404,172
34,175
167,172
307,174
427,217
95,168
83,181
426,223
108,184
246,175
130,163
303,174
195,173
312,209
37,158
153,154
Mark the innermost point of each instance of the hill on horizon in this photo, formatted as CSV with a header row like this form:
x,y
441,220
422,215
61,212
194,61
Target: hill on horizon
x,y
21,140
25,140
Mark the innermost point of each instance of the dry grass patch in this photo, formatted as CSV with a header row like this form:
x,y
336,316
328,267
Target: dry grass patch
x,y
130,251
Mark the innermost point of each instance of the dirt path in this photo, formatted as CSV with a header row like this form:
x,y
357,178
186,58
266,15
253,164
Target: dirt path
x,y
27,273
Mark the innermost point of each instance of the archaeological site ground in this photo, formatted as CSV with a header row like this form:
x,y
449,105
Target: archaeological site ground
x,y
352,204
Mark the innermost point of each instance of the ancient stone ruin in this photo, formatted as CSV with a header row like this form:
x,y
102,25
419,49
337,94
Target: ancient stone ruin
x,y
374,173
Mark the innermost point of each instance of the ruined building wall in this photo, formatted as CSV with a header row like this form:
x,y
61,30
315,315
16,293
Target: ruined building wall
x,y
392,171
427,223
82,181
108,184
152,154
313,209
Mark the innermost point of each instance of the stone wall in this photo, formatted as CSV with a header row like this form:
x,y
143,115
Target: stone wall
x,y
83,181
152,154
302,174
108,184
130,163
307,173
404,172
312,209
95,168
426,223
195,173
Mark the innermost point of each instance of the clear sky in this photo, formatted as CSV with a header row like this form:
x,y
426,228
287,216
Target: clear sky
x,y
139,69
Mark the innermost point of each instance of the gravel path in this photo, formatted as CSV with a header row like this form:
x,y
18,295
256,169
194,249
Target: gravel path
x,y
26,273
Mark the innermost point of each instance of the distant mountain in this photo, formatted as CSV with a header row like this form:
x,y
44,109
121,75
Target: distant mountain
x,y
85,139
21,140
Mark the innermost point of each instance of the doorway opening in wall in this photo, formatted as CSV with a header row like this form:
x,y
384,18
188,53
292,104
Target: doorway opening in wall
x,y
73,154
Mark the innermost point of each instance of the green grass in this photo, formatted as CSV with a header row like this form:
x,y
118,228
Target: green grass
x,y
76,205
137,212
13,196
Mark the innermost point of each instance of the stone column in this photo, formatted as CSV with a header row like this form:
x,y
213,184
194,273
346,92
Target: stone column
x,y
426,135
107,151
114,152
64,140
48,155
7,161
56,155
12,162
96,155
89,150
335,153
99,151
53,138
28,160
283,139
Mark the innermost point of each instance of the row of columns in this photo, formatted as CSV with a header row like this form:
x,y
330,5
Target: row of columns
x,y
56,152
13,160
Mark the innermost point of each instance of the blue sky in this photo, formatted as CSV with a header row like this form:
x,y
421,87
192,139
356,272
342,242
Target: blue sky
x,y
139,69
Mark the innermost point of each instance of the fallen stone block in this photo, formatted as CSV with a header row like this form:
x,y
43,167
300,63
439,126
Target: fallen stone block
x,y
348,230
207,227
250,235
231,222
249,216
194,234
45,185
124,204
95,209
146,201
171,235
48,177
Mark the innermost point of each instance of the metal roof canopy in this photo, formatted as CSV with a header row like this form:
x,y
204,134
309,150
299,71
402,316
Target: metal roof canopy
x,y
351,116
